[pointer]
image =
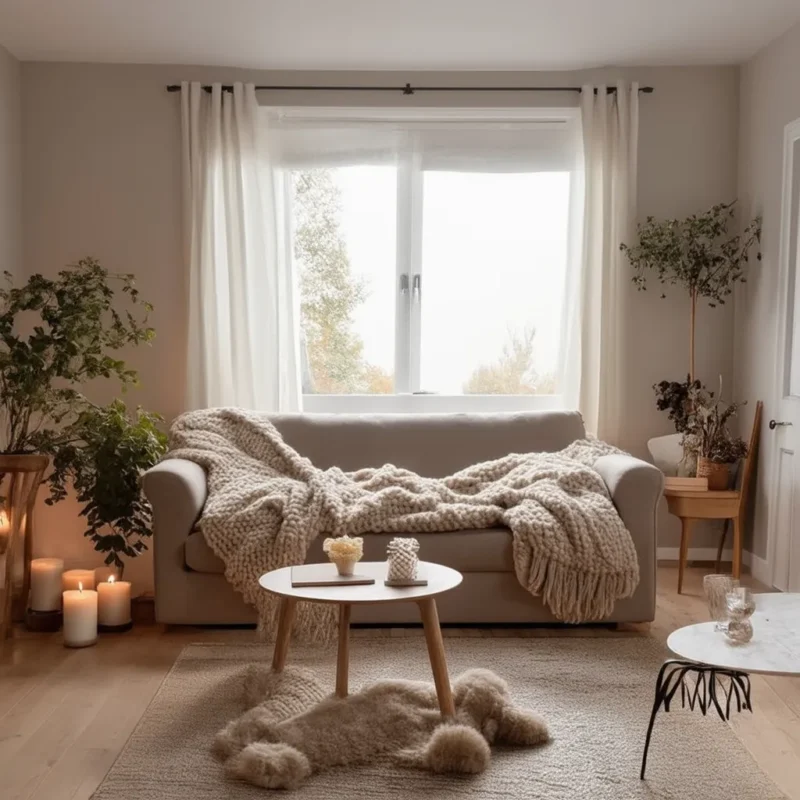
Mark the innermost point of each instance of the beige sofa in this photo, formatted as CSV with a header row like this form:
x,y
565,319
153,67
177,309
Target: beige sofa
x,y
190,586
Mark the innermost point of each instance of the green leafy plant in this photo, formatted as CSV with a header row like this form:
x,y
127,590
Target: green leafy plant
x,y
73,331
104,460
56,335
697,253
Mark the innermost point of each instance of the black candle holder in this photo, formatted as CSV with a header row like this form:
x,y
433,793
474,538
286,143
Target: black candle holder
x,y
124,628
43,621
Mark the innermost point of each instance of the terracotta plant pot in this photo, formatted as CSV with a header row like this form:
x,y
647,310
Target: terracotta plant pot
x,y
718,475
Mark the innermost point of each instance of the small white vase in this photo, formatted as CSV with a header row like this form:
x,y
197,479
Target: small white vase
x,y
345,566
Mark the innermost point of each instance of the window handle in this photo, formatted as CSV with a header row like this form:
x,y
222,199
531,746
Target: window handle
x,y
416,287
404,284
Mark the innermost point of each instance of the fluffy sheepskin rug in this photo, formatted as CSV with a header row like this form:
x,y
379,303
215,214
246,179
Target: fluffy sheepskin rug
x,y
294,729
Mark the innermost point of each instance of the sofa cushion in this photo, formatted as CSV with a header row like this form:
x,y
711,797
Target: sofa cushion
x,y
487,550
434,445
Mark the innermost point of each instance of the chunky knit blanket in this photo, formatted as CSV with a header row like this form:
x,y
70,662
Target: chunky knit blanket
x,y
266,503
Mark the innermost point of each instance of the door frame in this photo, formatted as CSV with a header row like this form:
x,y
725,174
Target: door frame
x,y
791,135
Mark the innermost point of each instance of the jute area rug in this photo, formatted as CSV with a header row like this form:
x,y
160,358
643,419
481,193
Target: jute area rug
x,y
594,693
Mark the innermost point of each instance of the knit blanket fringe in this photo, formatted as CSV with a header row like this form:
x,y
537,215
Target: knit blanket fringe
x,y
266,503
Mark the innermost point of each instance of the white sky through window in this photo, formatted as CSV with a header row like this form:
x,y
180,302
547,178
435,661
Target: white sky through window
x,y
494,250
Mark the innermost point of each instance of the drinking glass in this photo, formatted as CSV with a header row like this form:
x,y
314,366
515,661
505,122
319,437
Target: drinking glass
x,y
740,607
717,588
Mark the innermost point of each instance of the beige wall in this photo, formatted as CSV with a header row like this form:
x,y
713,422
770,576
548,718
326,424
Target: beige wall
x,y
10,164
102,177
770,98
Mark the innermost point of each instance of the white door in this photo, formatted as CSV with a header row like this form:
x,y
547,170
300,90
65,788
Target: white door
x,y
784,516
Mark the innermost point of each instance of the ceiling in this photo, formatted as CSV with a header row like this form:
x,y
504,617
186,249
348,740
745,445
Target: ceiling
x,y
401,34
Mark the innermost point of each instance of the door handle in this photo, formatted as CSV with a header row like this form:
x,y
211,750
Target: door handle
x,y
775,424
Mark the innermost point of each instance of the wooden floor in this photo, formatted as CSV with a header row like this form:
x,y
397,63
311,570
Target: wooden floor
x,y
65,714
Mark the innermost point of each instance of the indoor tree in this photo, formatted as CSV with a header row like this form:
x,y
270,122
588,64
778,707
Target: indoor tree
x,y
56,336
698,253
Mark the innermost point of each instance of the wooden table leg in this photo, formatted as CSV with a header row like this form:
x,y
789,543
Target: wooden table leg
x,y
736,560
343,654
433,638
284,634
686,527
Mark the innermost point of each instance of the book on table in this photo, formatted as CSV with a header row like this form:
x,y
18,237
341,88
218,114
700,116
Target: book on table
x,y
326,575
686,484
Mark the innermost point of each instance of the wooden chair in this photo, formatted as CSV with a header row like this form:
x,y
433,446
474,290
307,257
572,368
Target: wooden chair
x,y
728,505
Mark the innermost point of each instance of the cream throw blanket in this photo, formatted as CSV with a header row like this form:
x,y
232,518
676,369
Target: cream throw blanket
x,y
266,503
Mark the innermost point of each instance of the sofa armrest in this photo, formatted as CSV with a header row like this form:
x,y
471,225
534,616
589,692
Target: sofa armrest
x,y
177,491
635,488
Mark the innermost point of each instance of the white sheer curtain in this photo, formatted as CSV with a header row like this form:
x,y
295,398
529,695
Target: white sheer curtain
x,y
243,318
595,314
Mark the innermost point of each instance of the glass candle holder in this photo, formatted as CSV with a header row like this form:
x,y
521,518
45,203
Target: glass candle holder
x,y
740,607
717,588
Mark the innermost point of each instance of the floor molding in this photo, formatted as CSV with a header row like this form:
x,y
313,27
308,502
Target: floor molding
x,y
758,566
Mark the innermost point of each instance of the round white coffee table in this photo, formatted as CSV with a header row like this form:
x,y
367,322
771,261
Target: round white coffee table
x,y
440,579
705,655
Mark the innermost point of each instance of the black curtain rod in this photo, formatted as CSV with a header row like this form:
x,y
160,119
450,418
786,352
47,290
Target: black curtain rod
x,y
409,89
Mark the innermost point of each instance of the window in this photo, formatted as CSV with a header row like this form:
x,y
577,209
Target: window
x,y
432,254
344,225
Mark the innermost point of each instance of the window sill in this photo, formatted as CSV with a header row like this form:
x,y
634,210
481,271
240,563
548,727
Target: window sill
x,y
427,403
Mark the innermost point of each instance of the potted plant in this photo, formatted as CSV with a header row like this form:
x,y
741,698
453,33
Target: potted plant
x,y
707,434
701,255
56,335
104,461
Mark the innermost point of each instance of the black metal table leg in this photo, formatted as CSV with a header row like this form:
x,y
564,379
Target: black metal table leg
x,y
703,693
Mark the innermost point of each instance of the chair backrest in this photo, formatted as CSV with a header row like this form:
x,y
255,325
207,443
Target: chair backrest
x,y
752,454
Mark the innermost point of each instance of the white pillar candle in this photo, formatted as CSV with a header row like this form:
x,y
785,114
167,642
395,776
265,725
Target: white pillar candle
x,y
46,584
114,602
80,617
72,577
102,574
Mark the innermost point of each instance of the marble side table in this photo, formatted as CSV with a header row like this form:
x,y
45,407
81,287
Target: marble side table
x,y
720,670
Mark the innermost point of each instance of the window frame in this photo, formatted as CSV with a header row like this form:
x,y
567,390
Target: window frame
x,y
409,396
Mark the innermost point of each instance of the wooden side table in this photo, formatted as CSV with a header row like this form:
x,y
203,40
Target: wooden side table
x,y
440,579
691,506
724,505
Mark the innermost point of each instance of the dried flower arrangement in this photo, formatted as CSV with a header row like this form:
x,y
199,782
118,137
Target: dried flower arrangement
x,y
707,435
344,551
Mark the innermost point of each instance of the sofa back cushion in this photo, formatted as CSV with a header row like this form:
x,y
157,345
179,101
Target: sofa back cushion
x,y
433,445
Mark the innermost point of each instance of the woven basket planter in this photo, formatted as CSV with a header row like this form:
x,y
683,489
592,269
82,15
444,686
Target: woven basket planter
x,y
718,474
20,477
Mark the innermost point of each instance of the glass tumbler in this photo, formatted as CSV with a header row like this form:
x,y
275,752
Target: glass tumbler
x,y
717,588
740,606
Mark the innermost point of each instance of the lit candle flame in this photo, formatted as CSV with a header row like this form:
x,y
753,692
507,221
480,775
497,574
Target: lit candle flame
x,y
80,586
111,579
